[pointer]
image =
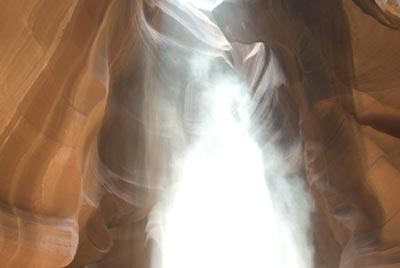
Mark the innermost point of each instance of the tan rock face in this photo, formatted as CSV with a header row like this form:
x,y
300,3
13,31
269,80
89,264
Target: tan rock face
x,y
80,170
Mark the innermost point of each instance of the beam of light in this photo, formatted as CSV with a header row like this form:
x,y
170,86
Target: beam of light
x,y
222,213
207,5
233,204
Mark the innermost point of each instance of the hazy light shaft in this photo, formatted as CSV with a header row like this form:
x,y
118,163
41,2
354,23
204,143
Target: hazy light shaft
x,y
222,211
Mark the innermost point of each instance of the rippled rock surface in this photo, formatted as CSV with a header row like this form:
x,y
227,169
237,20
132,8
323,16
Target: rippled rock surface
x,y
73,193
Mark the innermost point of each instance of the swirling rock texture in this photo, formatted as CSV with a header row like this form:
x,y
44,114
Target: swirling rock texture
x,y
74,185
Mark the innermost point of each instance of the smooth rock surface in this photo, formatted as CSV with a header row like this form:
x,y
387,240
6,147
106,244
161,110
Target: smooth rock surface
x,y
78,176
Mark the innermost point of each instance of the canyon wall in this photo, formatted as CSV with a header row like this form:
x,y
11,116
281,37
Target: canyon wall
x,y
64,64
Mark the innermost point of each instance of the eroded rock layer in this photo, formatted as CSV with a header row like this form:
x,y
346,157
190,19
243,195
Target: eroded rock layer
x,y
75,160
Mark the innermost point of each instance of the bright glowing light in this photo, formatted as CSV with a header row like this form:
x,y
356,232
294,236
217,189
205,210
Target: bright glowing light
x,y
207,5
221,213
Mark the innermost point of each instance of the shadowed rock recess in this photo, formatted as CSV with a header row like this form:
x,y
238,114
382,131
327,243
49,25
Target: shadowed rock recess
x,y
87,91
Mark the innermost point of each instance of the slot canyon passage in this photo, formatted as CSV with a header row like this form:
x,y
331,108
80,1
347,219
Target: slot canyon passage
x,y
199,133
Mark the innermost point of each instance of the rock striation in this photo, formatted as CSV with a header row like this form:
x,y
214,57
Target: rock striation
x,y
79,171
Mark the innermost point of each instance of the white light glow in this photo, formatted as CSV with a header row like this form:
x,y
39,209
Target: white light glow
x,y
233,204
207,5
221,214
